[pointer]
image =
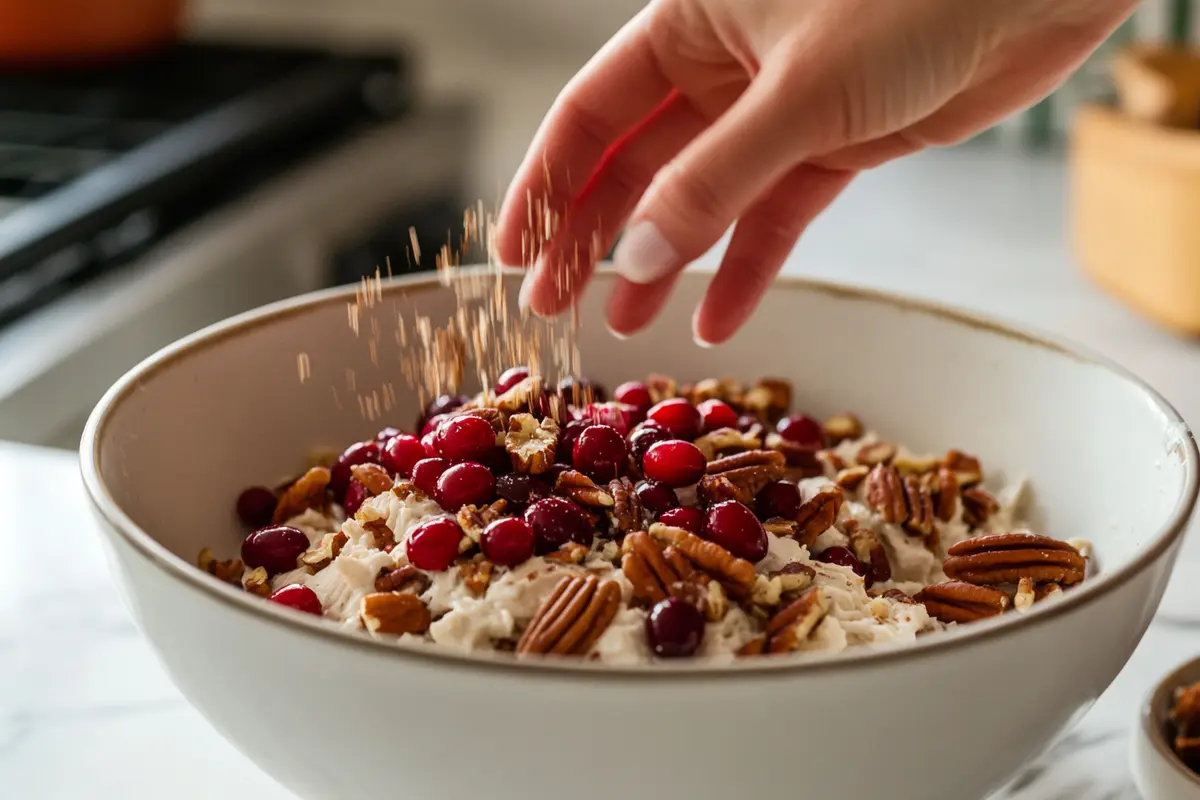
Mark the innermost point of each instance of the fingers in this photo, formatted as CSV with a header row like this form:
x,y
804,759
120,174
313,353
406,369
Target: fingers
x,y
600,208
620,85
697,196
631,306
761,242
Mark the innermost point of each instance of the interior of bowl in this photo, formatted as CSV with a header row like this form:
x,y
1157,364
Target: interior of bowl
x,y
1106,459
1156,714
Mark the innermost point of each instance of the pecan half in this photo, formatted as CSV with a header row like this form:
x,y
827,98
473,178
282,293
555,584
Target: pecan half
x,y
875,453
626,514
229,571
871,552
947,494
402,579
978,505
955,601
473,520
747,472
307,492
713,489
792,624
582,489
374,478
572,618
754,647
915,465
818,514
257,582
322,555
476,575
531,444
662,387
841,427
850,478
885,493
770,399
519,397
736,574
725,441
394,613
898,596
801,459
647,569
920,507
494,417
966,469
1008,557
726,390
568,553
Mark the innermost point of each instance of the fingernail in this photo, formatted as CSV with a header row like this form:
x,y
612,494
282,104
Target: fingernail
x,y
644,255
616,334
702,343
526,294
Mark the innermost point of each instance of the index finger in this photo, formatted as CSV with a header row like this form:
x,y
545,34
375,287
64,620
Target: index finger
x,y
619,86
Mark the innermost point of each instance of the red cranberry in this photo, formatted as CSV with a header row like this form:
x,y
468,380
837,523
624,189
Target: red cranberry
x,y
688,518
463,484
507,541
715,415
674,462
444,404
656,497
600,453
844,558
674,628
355,454
747,421
510,378
356,495
466,438
779,499
678,416
299,597
429,443
275,548
801,430
620,416
387,433
734,527
426,473
401,453
581,390
644,436
556,521
565,454
520,489
434,423
256,506
433,545
634,393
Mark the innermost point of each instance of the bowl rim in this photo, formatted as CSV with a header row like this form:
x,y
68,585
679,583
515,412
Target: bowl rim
x,y
1181,444
1151,724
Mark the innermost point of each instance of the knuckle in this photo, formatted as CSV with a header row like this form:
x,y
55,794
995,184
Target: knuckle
x,y
690,194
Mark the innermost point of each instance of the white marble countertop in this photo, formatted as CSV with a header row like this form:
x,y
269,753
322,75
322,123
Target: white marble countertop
x,y
86,710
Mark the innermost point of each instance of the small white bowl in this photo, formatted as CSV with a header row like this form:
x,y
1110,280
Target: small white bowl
x,y
1157,771
332,714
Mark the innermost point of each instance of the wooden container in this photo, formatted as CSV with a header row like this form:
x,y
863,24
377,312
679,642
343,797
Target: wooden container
x,y
1135,213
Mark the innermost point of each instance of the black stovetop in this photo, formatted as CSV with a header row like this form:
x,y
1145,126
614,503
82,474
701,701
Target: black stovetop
x,y
97,165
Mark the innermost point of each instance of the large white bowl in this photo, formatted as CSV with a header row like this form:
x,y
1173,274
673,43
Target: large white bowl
x,y
333,715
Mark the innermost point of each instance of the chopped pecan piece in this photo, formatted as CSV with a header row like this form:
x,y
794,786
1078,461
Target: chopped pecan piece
x,y
725,441
381,535
662,387
374,478
626,513
800,459
229,571
915,465
955,601
322,555
473,520
736,574
395,613
494,417
754,647
647,569
572,618
885,493
898,596
716,602
841,427
257,582
767,592
818,514
531,444
726,390
1044,590
1008,557
405,489
965,468
875,454
569,553
307,492
781,527
476,575
978,505
920,507
792,624
870,551
1023,599
770,399
947,494
583,490
402,579
850,478
519,397
794,577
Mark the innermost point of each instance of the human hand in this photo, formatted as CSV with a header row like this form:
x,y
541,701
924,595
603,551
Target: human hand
x,y
702,113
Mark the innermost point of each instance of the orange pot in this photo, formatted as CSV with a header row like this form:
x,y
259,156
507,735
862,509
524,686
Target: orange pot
x,y
71,31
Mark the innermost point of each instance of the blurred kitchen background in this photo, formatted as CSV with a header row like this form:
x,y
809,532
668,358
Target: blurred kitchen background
x,y
287,145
